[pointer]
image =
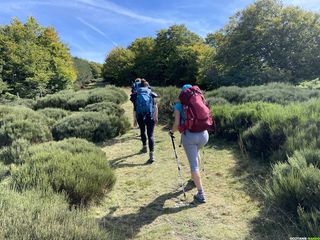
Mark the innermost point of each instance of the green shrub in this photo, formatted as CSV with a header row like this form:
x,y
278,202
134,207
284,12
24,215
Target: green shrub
x,y
58,100
119,93
268,137
232,94
295,187
21,122
4,170
29,103
93,126
79,100
54,114
309,221
102,94
108,108
161,91
313,84
274,93
269,130
71,100
166,105
312,156
294,184
73,166
15,153
232,120
8,97
216,101
39,216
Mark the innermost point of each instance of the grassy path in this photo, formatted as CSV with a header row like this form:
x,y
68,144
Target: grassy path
x,y
147,203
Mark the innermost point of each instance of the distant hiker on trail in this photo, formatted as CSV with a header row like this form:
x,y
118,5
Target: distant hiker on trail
x,y
133,97
147,116
193,119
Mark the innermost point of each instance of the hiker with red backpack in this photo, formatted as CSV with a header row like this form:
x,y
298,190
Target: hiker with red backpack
x,y
147,116
193,119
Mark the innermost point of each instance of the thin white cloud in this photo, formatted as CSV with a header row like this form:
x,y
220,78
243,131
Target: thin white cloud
x,y
99,5
97,30
115,8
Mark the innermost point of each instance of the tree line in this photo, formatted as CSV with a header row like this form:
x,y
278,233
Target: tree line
x,y
34,61
266,42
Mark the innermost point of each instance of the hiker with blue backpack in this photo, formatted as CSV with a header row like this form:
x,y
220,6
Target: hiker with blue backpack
x,y
133,97
146,112
193,119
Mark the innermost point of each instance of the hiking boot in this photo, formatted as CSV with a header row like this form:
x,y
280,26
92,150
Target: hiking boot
x,y
151,159
144,149
199,198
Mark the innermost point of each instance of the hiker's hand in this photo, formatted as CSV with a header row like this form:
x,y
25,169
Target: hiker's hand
x,y
135,124
171,133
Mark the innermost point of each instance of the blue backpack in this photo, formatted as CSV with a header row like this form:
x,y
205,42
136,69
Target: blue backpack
x,y
134,91
144,101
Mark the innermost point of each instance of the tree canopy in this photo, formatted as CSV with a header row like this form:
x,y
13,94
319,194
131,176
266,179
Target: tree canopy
x,y
266,42
87,72
33,60
168,59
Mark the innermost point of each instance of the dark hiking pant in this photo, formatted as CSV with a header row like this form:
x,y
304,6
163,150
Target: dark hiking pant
x,y
146,122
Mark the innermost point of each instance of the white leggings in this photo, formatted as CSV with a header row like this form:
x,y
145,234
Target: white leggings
x,y
192,142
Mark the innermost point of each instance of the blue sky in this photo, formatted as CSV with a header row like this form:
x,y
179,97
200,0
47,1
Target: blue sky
x,y
91,28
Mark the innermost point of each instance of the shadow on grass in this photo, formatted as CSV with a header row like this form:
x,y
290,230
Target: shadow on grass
x,y
128,226
120,162
118,140
271,223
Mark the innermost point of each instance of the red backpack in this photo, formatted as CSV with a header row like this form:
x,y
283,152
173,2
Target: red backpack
x,y
197,113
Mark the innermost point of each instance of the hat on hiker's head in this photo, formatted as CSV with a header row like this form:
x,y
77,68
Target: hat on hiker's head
x,y
137,80
186,86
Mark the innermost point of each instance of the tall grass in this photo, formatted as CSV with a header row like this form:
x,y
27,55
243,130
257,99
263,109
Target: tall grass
x,y
43,215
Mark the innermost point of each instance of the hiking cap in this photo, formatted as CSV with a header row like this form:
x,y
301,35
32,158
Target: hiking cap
x,y
186,86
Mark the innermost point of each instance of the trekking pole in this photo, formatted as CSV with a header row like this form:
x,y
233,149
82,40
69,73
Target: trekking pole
x,y
177,161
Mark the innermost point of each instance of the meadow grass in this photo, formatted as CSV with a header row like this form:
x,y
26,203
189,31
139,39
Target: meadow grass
x,y
147,202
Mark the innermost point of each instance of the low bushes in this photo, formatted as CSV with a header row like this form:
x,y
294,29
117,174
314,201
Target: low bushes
x,y
21,122
166,104
108,108
272,132
295,187
40,216
294,183
232,120
15,153
313,84
109,94
58,100
274,93
79,100
216,101
93,126
54,114
73,166
74,101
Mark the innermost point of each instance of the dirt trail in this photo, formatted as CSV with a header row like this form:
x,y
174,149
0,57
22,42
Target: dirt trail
x,y
147,203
